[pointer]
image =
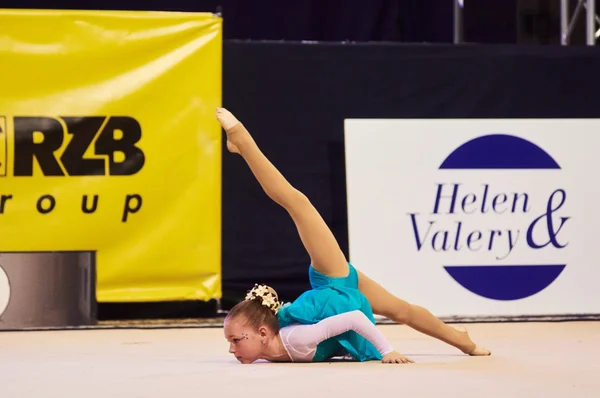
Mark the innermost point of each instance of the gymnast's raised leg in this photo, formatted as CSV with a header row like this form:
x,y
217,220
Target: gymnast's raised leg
x,y
325,253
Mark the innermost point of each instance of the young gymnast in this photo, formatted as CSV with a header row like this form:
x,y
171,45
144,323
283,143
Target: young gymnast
x,y
335,317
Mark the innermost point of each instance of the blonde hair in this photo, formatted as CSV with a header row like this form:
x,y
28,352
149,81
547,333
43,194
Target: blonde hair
x,y
259,308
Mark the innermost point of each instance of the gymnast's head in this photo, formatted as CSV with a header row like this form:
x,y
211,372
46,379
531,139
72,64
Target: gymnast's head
x,y
250,326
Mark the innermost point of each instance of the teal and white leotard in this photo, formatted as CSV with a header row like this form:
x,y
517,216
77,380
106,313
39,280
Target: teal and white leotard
x,y
329,297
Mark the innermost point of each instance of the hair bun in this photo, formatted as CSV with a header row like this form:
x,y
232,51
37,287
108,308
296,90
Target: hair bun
x,y
268,297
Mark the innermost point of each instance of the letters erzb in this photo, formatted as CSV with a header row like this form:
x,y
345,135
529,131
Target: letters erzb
x,y
113,141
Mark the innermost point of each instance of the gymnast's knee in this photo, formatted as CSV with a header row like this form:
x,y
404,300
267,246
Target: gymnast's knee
x,y
400,313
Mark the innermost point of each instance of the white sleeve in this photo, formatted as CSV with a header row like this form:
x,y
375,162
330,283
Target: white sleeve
x,y
311,335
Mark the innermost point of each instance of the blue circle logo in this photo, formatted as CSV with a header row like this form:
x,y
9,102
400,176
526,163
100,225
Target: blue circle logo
x,y
514,281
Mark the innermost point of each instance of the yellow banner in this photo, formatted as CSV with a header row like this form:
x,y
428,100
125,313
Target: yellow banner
x,y
109,144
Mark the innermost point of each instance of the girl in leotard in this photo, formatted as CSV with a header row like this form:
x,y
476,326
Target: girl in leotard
x,y
335,317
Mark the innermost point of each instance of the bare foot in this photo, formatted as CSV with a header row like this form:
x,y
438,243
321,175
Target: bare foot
x,y
475,350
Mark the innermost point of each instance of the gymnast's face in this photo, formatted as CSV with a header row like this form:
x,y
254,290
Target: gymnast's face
x,y
244,342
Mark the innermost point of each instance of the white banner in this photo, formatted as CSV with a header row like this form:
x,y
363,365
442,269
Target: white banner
x,y
478,217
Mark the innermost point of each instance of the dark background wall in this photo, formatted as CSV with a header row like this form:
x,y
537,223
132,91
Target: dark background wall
x,y
489,21
294,99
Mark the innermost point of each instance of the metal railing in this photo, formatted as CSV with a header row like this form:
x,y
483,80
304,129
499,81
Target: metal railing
x,y
567,23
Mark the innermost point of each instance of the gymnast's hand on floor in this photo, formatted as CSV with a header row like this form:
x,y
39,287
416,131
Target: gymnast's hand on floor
x,y
395,357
